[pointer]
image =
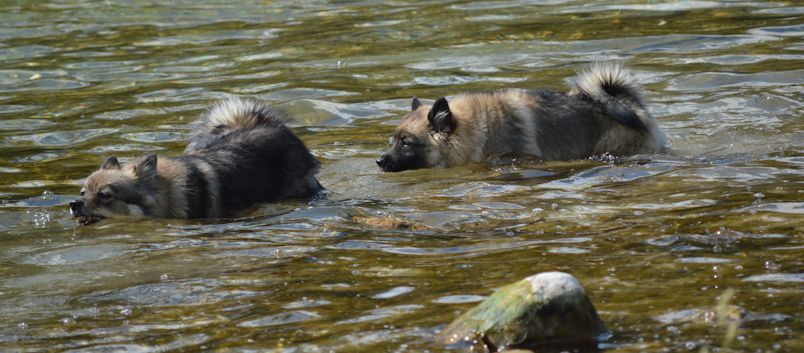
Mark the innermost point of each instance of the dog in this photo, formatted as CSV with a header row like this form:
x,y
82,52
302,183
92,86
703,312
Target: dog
x,y
240,154
604,113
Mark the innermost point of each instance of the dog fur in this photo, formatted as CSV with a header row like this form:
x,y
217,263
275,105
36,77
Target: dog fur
x,y
603,113
240,154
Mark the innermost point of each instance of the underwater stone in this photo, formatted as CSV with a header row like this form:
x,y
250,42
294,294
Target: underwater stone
x,y
547,309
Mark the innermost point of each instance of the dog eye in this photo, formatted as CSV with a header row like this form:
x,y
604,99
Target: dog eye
x,y
82,193
103,195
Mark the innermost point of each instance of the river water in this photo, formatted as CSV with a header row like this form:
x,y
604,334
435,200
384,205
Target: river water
x,y
700,249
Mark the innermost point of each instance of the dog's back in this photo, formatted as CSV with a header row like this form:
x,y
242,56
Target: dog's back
x,y
603,113
247,155
620,109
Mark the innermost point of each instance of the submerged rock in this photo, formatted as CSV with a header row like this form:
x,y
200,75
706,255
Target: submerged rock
x,y
391,223
546,309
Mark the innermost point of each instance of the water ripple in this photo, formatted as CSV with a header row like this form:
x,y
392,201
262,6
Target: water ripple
x,y
193,292
482,248
393,292
62,138
157,136
712,80
382,313
281,319
777,277
22,124
77,255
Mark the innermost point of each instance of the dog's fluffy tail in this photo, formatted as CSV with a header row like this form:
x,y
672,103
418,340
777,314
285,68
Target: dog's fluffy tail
x,y
612,86
231,114
235,113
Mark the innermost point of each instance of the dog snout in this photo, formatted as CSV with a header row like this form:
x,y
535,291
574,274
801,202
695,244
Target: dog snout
x,y
75,207
384,161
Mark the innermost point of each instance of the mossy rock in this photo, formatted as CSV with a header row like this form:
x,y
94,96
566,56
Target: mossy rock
x,y
542,310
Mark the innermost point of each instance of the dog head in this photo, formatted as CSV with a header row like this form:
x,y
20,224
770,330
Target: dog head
x,y
421,139
116,190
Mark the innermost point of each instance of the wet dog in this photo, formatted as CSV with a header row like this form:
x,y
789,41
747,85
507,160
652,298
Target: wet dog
x,y
603,113
241,154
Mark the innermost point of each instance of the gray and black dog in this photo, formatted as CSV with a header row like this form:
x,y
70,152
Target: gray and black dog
x,y
603,113
240,155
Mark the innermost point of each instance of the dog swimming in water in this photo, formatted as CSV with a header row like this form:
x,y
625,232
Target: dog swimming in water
x,y
604,113
240,154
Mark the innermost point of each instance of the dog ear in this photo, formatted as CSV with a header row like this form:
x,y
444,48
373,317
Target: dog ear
x,y
145,169
415,104
110,163
440,117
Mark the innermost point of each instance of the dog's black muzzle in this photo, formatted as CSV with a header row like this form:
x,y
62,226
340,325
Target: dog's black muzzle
x,y
386,163
82,215
75,207
393,162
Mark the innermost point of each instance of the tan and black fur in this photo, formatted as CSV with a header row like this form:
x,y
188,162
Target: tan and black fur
x,y
240,154
603,113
